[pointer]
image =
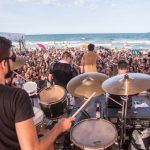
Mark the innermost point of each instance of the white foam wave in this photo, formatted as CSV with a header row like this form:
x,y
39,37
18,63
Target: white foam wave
x,y
147,42
116,43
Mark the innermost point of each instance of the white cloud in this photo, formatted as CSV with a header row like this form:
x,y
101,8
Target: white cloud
x,y
91,4
80,2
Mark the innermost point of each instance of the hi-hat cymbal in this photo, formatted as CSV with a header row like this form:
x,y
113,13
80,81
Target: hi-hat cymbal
x,y
19,62
127,84
85,84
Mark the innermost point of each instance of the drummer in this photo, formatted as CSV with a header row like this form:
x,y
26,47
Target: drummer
x,y
123,68
17,126
63,71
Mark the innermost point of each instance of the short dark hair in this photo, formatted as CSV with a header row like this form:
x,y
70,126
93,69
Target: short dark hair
x,y
66,55
5,45
91,47
122,65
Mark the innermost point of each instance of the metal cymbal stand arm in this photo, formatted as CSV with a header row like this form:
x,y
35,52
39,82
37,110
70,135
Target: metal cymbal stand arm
x,y
125,115
21,76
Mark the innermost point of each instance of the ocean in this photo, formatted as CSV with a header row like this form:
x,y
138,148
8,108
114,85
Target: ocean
x,y
115,40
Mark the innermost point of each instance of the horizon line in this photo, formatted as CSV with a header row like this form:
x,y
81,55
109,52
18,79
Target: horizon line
x,y
29,34
89,33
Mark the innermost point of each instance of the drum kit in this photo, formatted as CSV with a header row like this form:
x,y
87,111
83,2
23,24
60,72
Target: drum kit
x,y
88,133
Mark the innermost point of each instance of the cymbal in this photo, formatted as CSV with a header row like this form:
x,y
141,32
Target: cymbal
x,y
127,84
19,62
85,84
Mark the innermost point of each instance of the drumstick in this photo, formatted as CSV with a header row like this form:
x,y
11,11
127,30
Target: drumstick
x,y
83,104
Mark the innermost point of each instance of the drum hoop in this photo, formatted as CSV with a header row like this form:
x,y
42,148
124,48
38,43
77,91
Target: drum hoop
x,y
52,102
82,146
61,100
31,84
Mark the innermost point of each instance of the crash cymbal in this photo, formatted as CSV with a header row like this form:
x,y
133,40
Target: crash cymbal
x,y
19,62
85,84
127,84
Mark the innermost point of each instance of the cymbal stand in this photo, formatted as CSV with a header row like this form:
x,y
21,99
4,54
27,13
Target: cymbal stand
x,y
21,76
123,116
108,97
125,103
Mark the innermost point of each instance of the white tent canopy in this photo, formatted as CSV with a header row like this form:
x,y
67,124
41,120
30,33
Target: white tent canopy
x,y
13,36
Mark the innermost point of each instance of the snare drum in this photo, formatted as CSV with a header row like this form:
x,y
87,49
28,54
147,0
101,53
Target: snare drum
x,y
31,88
93,134
38,119
53,101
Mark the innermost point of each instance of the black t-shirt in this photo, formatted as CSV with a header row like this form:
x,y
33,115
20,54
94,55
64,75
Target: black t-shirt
x,y
62,73
15,106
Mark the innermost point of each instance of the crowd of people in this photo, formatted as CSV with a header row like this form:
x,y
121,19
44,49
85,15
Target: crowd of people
x,y
38,62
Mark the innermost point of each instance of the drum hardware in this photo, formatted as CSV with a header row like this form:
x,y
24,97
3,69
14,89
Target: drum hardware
x,y
126,84
21,76
108,97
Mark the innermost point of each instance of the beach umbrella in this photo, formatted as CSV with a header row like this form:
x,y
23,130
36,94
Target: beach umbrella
x,y
85,46
41,45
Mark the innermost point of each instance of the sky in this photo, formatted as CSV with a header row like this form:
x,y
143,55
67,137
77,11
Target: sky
x,y
74,16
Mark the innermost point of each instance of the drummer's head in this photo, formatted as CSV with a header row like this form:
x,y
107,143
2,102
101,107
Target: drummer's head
x,y
6,57
5,46
122,67
67,56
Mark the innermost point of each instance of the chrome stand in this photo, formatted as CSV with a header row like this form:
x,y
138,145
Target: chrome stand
x,y
123,116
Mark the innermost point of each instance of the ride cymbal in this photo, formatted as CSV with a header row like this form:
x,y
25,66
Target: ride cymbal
x,y
85,84
127,84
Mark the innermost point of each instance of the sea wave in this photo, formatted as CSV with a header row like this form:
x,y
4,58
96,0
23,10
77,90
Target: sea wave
x,y
142,44
131,42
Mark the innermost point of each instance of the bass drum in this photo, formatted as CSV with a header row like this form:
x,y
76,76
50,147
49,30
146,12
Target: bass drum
x,y
93,134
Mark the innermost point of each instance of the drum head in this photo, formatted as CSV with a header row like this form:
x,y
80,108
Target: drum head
x,y
38,118
30,87
93,134
52,94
